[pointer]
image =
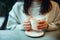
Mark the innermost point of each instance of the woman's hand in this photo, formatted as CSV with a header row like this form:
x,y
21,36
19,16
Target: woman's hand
x,y
27,25
42,25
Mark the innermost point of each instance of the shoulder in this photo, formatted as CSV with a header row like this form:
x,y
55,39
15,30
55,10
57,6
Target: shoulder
x,y
54,4
56,7
18,4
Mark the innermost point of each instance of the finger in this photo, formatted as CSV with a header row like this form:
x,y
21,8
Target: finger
x,y
41,21
42,27
45,23
40,24
27,25
26,21
27,28
39,27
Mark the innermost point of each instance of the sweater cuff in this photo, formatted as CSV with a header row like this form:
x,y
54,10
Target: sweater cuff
x,y
52,26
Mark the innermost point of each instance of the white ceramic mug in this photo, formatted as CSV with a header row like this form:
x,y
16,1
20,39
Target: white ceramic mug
x,y
34,24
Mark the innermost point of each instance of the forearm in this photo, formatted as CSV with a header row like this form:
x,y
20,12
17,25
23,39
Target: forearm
x,y
15,27
19,27
52,27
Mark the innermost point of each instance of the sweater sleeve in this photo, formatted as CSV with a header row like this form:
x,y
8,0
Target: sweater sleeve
x,y
56,22
13,23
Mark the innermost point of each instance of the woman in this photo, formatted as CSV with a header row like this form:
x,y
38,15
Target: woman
x,y
21,13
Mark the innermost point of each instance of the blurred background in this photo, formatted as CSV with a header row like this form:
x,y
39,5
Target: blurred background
x,y
5,7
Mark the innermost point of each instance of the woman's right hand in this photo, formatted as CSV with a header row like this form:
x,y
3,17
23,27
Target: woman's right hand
x,y
27,25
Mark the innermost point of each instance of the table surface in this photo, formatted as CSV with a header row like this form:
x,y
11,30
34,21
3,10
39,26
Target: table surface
x,y
1,20
20,35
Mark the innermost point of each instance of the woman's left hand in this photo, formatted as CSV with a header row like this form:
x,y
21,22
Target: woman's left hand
x,y
42,25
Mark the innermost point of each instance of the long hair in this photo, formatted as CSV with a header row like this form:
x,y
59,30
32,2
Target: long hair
x,y
46,6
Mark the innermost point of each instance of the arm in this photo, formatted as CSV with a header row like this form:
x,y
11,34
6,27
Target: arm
x,y
55,25
13,22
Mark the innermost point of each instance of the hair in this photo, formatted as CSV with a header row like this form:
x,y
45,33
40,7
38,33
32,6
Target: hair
x,y
46,6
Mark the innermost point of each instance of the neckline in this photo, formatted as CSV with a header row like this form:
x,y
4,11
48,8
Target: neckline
x,y
36,3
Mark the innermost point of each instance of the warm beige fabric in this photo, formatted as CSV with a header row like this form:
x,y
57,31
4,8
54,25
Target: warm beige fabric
x,y
54,15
